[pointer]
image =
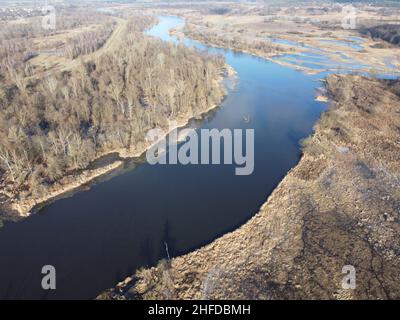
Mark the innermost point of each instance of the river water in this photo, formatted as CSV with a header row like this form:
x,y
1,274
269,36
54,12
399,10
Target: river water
x,y
98,236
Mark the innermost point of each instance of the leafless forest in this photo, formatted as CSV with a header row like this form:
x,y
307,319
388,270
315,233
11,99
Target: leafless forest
x,y
108,85
387,32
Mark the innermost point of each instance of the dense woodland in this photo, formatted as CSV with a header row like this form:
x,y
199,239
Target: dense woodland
x,y
51,126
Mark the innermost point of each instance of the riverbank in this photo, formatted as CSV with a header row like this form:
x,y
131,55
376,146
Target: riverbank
x,y
21,208
338,207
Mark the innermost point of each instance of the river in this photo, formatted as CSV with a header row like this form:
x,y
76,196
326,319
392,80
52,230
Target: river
x,y
97,236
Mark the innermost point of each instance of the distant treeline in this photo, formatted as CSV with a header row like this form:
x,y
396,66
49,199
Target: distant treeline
x,y
387,32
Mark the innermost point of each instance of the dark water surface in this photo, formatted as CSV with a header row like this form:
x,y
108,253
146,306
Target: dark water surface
x,y
99,236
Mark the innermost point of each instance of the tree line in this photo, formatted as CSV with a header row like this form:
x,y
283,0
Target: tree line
x,y
233,42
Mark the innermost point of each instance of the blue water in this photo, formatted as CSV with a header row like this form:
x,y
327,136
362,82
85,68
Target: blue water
x,y
352,45
355,39
288,42
98,236
322,60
